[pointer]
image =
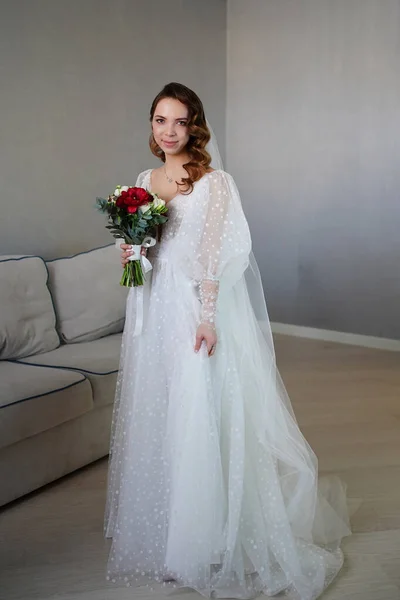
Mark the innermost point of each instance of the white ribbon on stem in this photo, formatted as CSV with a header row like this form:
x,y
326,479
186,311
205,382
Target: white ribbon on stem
x,y
148,242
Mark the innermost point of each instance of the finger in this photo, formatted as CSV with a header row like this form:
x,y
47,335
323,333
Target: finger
x,y
211,349
199,339
125,257
210,340
125,246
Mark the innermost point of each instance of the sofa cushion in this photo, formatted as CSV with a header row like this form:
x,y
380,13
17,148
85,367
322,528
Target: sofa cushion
x,y
27,318
89,301
34,399
97,360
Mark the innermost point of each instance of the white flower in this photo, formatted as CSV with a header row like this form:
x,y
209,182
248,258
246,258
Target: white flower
x,y
144,208
119,189
158,202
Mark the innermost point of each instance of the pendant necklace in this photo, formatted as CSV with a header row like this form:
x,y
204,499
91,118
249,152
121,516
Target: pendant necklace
x,y
166,175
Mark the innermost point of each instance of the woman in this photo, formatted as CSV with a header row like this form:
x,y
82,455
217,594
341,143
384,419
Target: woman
x,y
211,482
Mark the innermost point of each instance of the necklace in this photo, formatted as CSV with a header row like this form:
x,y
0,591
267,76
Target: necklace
x,y
166,175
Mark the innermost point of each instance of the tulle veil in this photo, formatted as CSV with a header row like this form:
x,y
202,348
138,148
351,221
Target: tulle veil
x,y
316,507
252,273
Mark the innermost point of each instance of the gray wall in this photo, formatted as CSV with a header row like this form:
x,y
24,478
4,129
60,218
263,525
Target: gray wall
x,y
77,80
313,140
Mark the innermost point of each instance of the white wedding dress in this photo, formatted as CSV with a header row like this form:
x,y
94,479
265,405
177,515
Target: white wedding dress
x,y
210,479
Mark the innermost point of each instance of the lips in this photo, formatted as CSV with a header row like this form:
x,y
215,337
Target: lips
x,y
169,144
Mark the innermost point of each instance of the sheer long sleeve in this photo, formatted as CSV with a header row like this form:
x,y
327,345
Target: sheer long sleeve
x,y
208,290
217,242
210,247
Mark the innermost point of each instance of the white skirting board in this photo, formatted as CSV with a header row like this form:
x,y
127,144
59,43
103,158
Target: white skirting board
x,y
340,337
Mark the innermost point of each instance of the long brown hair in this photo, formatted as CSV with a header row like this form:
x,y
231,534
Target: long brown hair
x,y
199,134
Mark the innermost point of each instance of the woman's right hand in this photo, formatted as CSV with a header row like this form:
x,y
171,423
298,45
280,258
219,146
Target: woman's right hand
x,y
126,252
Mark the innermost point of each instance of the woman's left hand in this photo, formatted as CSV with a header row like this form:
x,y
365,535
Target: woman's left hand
x,y
209,335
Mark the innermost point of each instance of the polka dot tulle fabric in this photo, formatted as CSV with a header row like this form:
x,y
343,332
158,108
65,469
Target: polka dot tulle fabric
x,y
211,481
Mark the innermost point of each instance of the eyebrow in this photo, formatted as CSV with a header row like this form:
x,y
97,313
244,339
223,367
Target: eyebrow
x,y
180,118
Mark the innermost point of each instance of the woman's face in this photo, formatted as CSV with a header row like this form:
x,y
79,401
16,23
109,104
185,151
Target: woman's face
x,y
170,127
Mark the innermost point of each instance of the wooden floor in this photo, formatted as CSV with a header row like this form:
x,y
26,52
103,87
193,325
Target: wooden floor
x,y
347,403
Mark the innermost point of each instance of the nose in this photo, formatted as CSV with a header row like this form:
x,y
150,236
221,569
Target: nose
x,y
170,132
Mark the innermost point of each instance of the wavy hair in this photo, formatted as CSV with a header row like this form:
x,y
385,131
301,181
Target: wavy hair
x,y
199,134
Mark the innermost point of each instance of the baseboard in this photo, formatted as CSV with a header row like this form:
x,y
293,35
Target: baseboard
x,y
340,337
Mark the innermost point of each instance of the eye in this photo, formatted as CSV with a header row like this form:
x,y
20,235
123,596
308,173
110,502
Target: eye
x,y
159,120
182,122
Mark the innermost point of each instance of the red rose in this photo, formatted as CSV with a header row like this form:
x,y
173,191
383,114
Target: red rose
x,y
120,202
133,198
141,195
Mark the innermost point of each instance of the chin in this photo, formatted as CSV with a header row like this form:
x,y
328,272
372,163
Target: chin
x,y
172,151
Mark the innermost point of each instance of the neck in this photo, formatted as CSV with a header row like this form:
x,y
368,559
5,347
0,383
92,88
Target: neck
x,y
175,163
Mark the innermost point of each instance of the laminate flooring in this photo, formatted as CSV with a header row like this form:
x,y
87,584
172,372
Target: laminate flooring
x,y
347,403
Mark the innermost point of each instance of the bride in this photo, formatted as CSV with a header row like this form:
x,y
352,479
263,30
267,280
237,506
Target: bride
x,y
211,483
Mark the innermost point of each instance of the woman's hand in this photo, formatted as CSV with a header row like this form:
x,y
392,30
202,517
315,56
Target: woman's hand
x,y
127,251
208,334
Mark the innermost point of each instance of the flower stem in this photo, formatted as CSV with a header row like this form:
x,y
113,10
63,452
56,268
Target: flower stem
x,y
132,275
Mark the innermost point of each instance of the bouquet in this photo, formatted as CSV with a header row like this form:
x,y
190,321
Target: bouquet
x,y
133,216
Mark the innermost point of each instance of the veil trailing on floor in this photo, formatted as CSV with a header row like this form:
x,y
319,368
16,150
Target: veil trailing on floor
x,y
316,507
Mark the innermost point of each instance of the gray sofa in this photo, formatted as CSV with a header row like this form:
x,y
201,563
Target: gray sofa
x,y
61,325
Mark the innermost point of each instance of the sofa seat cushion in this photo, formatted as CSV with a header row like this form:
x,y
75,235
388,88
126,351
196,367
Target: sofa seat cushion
x,y
97,360
90,302
34,399
27,318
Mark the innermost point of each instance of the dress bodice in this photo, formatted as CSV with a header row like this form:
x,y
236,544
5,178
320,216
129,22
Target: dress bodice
x,y
176,211
177,208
